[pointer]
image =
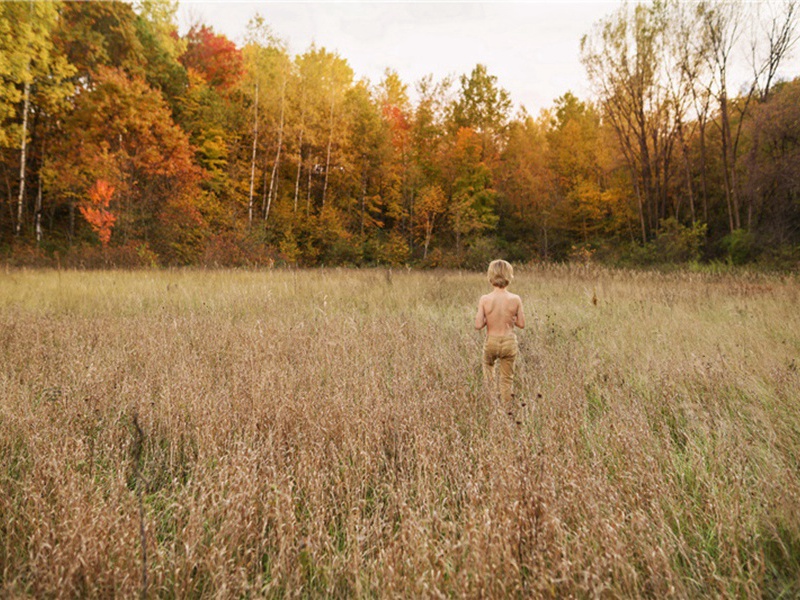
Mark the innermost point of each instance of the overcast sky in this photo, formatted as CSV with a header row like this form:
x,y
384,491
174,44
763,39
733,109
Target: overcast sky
x,y
532,47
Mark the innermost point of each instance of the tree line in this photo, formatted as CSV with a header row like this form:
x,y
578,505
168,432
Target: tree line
x,y
123,142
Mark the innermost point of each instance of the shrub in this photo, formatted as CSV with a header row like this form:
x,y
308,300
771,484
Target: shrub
x,y
289,250
394,251
739,245
130,255
582,254
343,251
25,255
677,243
232,250
480,253
433,260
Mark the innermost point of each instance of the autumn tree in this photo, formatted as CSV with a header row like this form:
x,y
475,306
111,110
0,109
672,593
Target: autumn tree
x,y
214,56
302,119
525,187
773,180
427,139
213,112
97,35
470,186
623,58
368,151
573,155
430,209
267,76
215,152
338,77
121,131
326,77
210,120
100,34
396,184
161,47
770,35
33,86
96,210
484,107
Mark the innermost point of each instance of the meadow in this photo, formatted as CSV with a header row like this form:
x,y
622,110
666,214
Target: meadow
x,y
280,433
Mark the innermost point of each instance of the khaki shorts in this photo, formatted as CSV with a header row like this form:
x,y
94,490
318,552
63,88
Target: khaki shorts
x,y
500,350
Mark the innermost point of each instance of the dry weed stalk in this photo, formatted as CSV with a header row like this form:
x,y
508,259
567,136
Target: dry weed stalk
x,y
138,446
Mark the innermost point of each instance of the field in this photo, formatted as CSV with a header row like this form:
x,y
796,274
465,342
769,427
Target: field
x,y
325,433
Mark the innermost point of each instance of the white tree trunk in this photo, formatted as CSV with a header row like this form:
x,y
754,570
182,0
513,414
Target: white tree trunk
x,y
328,159
253,161
24,146
272,187
299,169
38,212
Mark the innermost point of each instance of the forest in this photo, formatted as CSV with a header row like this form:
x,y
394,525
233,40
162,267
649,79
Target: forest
x,y
124,143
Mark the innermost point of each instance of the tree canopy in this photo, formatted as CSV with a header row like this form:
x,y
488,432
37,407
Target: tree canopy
x,y
123,142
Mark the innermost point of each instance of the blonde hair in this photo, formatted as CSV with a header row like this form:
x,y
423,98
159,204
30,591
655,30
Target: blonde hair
x,y
500,273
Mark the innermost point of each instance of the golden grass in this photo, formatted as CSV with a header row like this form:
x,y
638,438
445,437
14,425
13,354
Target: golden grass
x,y
324,433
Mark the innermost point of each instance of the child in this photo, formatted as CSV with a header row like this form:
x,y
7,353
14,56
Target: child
x,y
500,311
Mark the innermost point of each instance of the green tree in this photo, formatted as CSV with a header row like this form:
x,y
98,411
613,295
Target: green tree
x,y
484,107
481,105
210,120
97,34
161,47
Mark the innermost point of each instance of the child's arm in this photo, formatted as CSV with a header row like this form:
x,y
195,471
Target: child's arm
x,y
480,318
519,318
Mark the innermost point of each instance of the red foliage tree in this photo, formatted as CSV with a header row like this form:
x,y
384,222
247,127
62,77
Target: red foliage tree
x,y
214,56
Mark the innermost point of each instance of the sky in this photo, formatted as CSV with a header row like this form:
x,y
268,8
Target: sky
x,y
533,48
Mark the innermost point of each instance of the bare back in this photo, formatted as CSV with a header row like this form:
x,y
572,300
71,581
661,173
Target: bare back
x,y
500,311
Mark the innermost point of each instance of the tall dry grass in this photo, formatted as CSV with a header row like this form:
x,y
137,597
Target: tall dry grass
x,y
324,433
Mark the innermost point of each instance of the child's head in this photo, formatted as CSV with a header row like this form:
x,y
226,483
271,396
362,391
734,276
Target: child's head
x,y
500,273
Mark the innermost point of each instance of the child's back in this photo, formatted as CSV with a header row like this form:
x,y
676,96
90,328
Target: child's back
x,y
502,311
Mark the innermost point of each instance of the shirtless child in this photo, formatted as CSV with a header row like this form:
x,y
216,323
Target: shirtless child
x,y
499,312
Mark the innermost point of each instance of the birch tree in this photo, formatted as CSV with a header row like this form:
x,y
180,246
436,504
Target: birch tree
x,y
34,78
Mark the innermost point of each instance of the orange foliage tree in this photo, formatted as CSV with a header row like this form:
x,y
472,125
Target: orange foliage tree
x,y
95,210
